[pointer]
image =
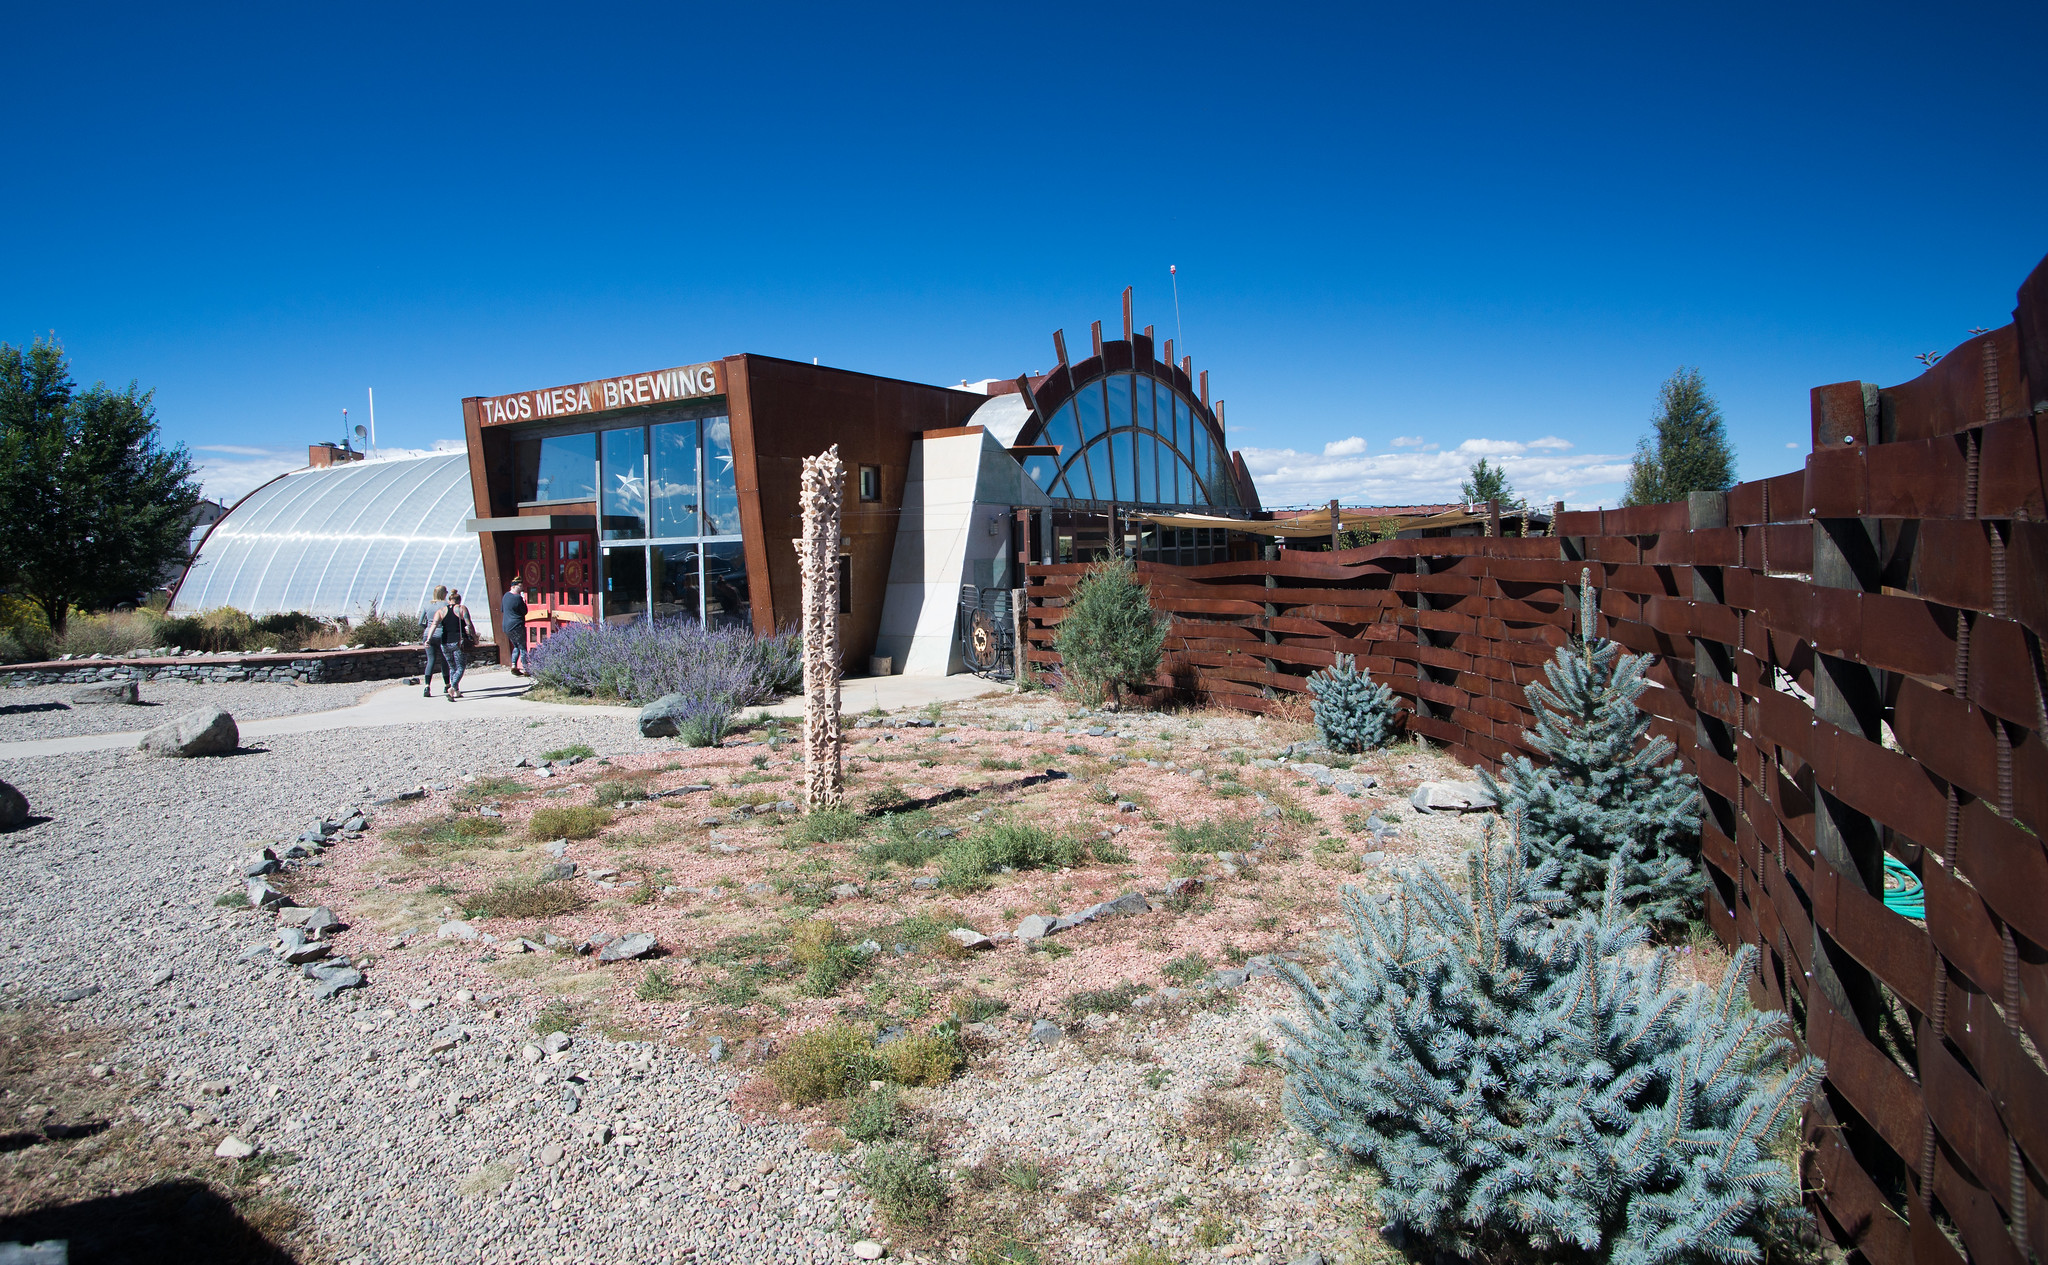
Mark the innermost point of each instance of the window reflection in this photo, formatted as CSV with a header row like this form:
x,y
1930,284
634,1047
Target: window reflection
x,y
625,484
677,587
1088,406
725,586
625,584
1042,471
675,479
557,468
1119,400
1098,469
721,486
1141,404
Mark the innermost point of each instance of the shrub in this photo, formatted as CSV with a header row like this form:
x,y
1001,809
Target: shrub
x,y
1105,1001
926,1058
1186,970
113,633
574,751
907,841
381,630
827,963
1109,639
657,985
1217,834
1530,1089
976,1007
826,825
568,823
967,861
716,670
1352,713
875,1115
1605,793
615,792
512,899
903,1180
819,1064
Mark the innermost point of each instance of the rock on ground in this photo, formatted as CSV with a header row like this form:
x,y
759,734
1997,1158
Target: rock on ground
x,y
205,731
13,807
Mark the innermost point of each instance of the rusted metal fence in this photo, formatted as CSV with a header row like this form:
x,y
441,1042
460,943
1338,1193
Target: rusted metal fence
x,y
1850,658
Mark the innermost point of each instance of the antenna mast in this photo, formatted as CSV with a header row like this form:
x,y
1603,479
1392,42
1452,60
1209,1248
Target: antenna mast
x,y
373,418
1180,335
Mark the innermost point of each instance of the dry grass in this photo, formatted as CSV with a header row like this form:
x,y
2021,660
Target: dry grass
x,y
79,1165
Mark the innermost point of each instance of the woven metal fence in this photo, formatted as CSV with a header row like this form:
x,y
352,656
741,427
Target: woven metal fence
x,y
1849,657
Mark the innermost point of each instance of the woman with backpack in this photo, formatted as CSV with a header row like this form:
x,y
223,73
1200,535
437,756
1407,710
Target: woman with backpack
x,y
449,633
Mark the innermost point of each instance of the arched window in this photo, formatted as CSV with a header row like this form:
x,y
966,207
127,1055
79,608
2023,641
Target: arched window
x,y
1135,435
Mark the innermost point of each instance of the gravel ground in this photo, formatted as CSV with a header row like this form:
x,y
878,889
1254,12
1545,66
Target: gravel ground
x,y
625,1151
406,1156
45,711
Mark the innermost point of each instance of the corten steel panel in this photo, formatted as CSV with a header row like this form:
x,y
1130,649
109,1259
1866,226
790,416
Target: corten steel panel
x,y
1497,607
1950,397
798,410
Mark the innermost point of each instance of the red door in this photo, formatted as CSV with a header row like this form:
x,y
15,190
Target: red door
x,y
561,587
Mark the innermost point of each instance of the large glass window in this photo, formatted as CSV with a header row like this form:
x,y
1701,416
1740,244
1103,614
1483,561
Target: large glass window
x,y
1062,431
674,488
677,584
1088,406
625,484
625,584
725,586
1042,470
1098,470
1148,468
721,485
1119,400
1141,403
557,468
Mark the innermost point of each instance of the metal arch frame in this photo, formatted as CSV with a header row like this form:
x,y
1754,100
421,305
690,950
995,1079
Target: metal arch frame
x,y
1099,369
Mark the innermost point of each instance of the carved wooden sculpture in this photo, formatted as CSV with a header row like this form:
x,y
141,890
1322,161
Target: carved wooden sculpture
x,y
824,482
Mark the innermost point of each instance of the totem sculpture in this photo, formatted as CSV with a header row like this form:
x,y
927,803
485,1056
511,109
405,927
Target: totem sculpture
x,y
824,484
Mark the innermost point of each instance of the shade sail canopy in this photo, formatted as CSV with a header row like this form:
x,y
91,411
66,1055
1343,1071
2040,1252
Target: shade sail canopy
x,y
334,542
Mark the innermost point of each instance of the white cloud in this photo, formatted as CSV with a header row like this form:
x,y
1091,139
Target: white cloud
x,y
1539,471
1350,447
1410,441
1551,442
236,450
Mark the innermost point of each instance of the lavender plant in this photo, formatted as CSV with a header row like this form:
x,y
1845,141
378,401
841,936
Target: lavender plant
x,y
715,670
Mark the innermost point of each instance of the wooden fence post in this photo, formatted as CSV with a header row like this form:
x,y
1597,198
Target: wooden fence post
x,y
1713,666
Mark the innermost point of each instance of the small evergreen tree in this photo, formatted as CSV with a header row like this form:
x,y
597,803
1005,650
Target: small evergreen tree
x,y
93,508
1488,482
1605,793
1110,639
1535,1089
1352,712
1691,451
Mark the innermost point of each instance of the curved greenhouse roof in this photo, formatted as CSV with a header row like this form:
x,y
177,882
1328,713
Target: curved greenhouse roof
x,y
335,541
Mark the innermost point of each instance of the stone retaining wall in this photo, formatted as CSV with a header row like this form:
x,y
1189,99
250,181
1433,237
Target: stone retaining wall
x,y
307,667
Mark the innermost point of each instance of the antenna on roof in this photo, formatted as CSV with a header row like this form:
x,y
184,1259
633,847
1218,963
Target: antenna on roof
x,y
373,418
1179,335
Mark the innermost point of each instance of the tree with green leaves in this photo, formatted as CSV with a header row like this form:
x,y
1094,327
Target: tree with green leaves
x,y
1689,451
93,507
1110,639
1488,482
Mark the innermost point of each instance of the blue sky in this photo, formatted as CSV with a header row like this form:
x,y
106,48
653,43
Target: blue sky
x,y
1404,238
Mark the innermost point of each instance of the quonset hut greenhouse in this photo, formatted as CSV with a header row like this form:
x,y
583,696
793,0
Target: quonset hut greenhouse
x,y
339,540
673,494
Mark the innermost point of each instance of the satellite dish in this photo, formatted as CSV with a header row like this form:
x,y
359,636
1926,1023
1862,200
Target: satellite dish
x,y
361,433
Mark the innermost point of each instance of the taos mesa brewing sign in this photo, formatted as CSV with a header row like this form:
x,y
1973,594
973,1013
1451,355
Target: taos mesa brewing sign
x,y
660,387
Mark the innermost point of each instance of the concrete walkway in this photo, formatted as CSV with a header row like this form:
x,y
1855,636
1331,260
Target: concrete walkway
x,y
495,692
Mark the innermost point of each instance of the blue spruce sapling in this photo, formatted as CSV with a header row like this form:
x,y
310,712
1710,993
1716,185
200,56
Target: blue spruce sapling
x,y
1605,791
1352,712
1529,1088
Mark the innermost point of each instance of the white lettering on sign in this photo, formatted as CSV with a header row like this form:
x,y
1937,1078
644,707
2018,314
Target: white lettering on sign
x,y
633,391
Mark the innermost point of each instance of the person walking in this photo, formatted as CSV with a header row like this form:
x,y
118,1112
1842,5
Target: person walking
x,y
512,618
435,661
457,633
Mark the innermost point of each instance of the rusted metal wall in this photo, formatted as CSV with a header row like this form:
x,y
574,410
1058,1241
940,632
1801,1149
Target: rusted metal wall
x,y
1850,658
